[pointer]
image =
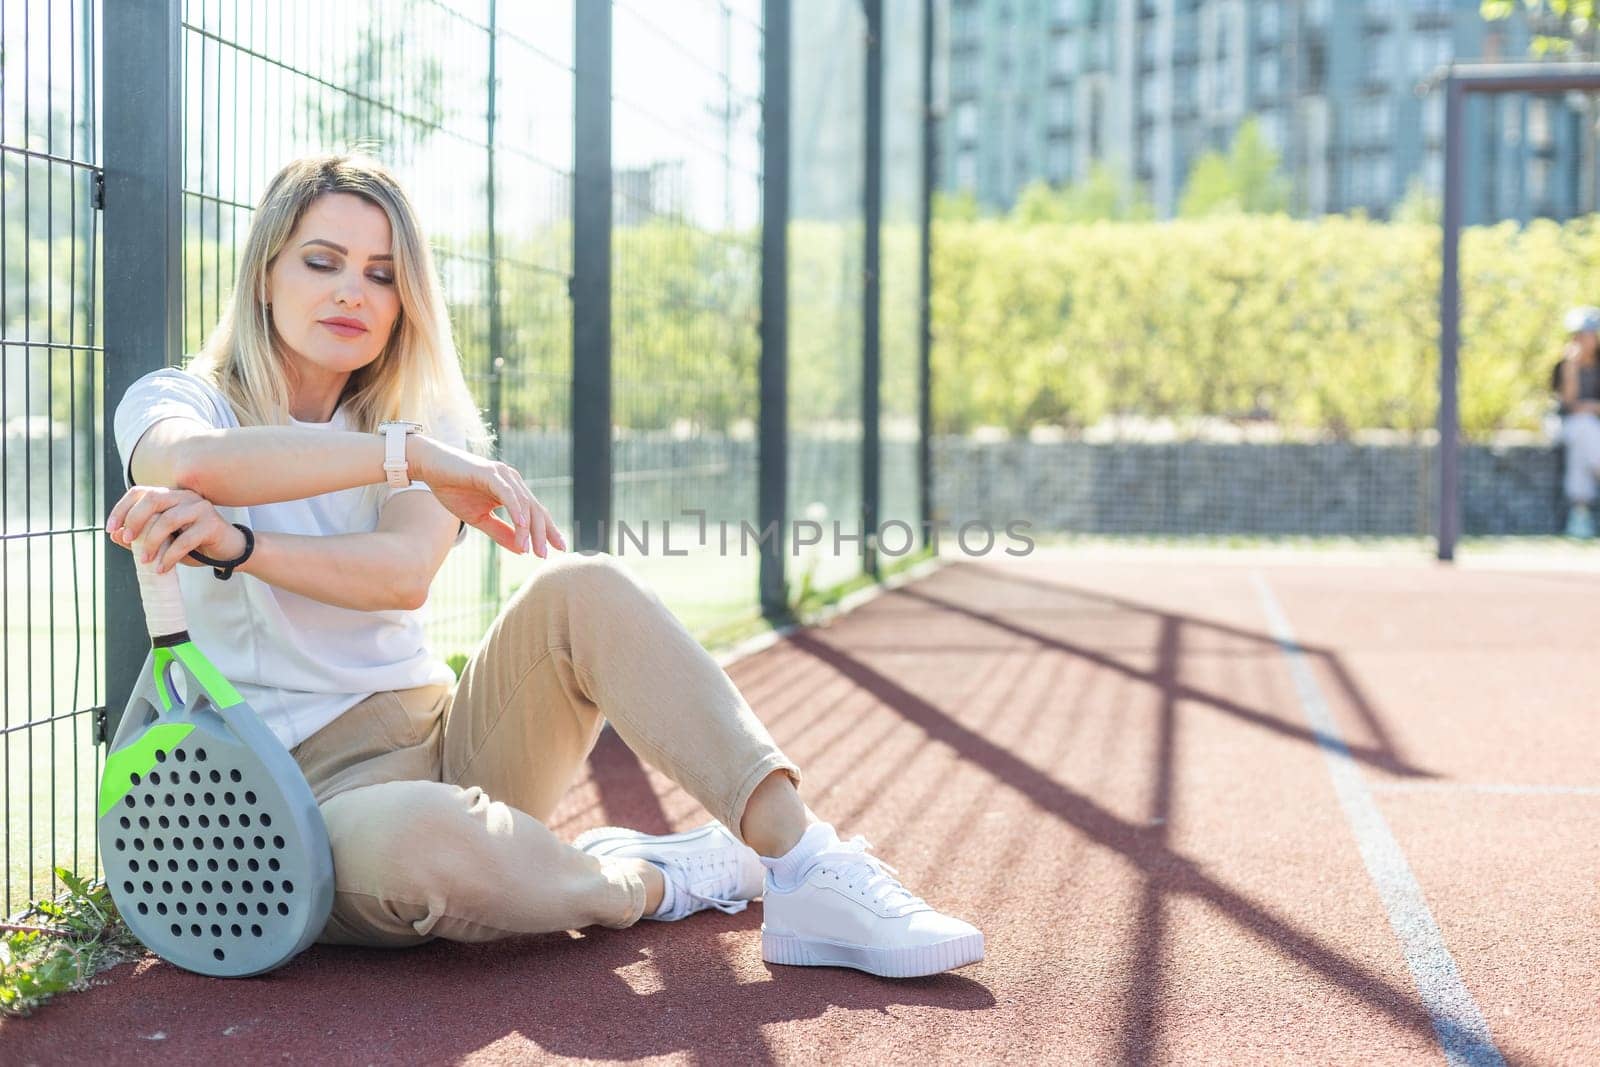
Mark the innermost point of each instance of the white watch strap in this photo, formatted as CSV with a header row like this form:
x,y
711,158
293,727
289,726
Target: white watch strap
x,y
394,457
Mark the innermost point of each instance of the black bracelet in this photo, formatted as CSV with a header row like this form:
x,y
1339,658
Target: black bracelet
x,y
223,569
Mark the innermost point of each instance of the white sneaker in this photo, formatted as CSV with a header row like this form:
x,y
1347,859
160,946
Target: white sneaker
x,y
848,910
708,867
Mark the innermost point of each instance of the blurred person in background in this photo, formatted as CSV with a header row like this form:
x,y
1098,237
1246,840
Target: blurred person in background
x,y
1578,385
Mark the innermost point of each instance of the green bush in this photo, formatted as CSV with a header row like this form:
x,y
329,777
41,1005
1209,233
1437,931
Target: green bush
x,y
1328,325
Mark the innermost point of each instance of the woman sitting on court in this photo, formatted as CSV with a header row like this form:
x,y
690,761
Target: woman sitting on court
x,y
434,790
1578,385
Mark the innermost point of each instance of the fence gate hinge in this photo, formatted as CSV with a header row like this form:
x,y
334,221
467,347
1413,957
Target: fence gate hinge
x,y
100,724
100,190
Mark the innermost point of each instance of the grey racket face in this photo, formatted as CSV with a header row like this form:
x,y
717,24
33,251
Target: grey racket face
x,y
214,851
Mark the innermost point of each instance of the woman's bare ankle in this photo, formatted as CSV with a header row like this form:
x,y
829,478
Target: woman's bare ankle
x,y
655,883
774,817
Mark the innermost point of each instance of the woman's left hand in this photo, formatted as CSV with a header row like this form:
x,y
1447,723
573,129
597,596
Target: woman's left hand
x,y
164,525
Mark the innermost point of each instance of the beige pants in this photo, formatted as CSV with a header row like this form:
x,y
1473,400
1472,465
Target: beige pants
x,y
434,797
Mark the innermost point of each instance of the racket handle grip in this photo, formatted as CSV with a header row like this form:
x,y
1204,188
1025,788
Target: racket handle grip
x,y
163,602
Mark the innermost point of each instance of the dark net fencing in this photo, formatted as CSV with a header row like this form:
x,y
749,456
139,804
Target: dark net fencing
x,y
686,293
1250,375
52,405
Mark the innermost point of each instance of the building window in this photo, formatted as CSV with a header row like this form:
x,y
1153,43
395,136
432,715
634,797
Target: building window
x,y
1273,128
1184,35
1222,59
1509,118
1433,118
1185,88
1374,120
1370,179
1539,183
1268,71
1267,22
963,23
1316,66
966,169
1538,124
1149,96
966,120
1378,57
1429,51
1100,50
1059,103
1065,55
964,72
1058,161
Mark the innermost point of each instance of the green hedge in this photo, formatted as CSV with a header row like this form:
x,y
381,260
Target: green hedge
x,y
1328,325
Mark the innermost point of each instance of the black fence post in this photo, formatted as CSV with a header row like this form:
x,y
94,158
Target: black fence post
x,y
495,357
773,457
930,131
1450,326
870,316
591,276
143,309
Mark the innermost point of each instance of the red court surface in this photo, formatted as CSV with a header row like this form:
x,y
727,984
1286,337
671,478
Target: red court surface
x,y
1221,809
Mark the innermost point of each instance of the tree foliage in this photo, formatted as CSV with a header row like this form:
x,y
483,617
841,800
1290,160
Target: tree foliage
x,y
1103,194
1561,27
1328,326
1248,180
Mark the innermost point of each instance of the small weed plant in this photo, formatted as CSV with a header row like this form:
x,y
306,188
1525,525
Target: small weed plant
x,y
60,945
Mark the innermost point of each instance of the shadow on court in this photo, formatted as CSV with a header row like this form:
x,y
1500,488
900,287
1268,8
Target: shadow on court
x,y
1106,766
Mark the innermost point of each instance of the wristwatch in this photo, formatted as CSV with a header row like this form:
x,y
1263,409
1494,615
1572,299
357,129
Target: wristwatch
x,y
395,466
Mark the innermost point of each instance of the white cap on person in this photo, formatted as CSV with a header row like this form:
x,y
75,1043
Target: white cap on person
x,y
1583,320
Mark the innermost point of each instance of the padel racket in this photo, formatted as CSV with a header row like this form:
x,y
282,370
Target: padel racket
x,y
214,849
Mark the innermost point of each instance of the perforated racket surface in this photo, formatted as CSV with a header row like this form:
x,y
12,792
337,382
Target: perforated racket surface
x,y
214,849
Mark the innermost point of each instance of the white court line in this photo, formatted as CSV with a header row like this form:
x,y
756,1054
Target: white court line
x,y
1499,788
1458,1022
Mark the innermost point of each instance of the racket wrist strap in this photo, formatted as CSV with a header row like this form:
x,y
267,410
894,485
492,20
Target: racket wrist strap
x,y
224,568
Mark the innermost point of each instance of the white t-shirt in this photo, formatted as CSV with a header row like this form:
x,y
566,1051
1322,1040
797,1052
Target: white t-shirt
x,y
300,663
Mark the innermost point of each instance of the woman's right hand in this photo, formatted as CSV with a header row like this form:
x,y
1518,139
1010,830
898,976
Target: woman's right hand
x,y
471,487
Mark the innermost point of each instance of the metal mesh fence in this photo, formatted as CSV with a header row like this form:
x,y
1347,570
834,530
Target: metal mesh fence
x,y
51,405
686,290
530,224
900,267
828,174
472,104
408,83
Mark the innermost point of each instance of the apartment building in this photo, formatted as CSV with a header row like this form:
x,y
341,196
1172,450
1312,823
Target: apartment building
x,y
1041,89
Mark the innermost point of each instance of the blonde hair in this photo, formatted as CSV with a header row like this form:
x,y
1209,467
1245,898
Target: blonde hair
x,y
417,376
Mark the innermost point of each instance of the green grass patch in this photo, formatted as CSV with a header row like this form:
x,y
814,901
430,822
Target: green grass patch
x,y
60,945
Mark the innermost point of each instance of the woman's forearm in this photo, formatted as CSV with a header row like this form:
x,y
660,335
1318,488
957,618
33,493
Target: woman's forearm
x,y
376,571
263,464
